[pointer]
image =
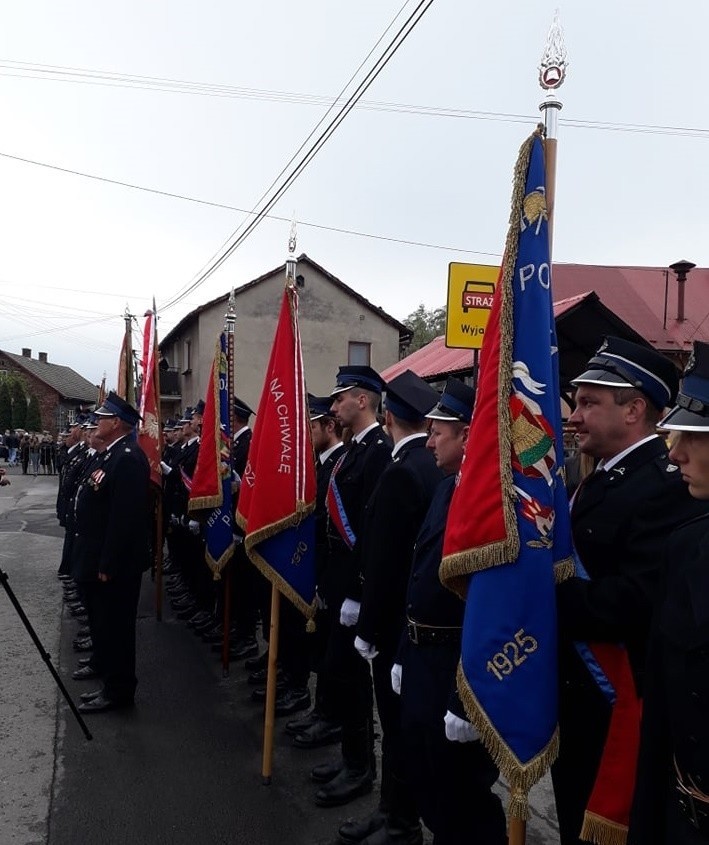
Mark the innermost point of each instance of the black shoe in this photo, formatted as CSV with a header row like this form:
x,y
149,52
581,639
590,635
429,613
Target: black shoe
x,y
187,603
395,832
85,673
292,700
260,677
259,694
319,734
296,726
215,634
345,787
77,610
84,661
83,633
89,696
83,645
255,663
326,772
245,648
100,704
187,612
199,617
354,831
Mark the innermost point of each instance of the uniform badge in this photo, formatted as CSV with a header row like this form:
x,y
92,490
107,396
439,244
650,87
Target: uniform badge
x,y
96,478
672,468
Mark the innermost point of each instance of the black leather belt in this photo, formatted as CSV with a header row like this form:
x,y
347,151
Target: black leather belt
x,y
432,634
693,802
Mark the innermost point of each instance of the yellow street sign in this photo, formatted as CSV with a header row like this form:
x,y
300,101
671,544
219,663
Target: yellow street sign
x,y
470,291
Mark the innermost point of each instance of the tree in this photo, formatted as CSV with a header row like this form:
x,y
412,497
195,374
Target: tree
x,y
34,415
19,404
5,407
426,323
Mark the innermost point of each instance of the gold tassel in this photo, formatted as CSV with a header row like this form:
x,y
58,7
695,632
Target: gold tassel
x,y
310,626
564,569
602,831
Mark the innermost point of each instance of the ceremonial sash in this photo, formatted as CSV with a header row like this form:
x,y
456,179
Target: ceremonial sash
x,y
336,510
186,479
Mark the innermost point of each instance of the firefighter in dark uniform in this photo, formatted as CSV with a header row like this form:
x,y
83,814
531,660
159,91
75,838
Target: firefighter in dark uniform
x,y
451,773
620,518
671,805
68,482
321,726
392,520
112,547
355,401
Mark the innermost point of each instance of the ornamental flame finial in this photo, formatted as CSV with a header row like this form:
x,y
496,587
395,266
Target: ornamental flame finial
x,y
552,70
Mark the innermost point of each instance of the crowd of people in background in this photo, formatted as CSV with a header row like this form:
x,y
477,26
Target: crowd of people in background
x,y
36,452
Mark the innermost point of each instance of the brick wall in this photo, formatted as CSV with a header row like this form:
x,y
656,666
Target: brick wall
x,y
48,398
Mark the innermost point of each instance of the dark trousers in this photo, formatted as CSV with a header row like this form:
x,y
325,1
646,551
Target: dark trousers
x,y
117,602
65,563
452,780
243,595
89,593
352,692
583,724
397,796
293,645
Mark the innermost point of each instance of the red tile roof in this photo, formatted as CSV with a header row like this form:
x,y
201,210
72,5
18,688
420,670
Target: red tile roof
x,y
637,296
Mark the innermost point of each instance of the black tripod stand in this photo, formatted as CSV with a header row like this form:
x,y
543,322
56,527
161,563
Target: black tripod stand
x,y
45,656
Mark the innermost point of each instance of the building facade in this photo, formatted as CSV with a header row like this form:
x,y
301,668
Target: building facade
x,y
60,391
337,326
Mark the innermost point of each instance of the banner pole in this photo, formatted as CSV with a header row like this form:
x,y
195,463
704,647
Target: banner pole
x,y
229,328
517,832
159,537
270,716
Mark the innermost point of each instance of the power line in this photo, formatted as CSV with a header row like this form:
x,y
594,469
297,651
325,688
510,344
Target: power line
x,y
374,72
58,73
337,229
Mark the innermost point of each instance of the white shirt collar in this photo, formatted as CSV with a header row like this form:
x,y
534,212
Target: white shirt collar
x,y
241,431
117,440
359,437
323,456
616,459
407,439
71,448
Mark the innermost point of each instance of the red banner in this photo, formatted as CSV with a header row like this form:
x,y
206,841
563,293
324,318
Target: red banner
x,y
149,437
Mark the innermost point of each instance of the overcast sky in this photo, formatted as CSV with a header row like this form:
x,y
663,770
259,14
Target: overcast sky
x,y
74,251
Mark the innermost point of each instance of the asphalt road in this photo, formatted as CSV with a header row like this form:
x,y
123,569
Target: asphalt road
x,y
182,767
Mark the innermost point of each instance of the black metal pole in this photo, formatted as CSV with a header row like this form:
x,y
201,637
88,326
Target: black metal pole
x,y
43,653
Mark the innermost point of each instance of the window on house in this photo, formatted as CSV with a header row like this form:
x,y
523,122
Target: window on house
x,y
359,354
187,357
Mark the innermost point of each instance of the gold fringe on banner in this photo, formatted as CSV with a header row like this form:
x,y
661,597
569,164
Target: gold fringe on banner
x,y
302,509
520,776
564,569
602,831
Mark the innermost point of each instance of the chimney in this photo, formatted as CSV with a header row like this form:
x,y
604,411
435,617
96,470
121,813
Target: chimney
x,y
26,353
43,357
681,268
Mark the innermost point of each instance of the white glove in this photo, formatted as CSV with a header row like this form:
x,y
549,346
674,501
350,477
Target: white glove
x,y
166,468
193,527
349,613
367,651
174,520
396,678
458,730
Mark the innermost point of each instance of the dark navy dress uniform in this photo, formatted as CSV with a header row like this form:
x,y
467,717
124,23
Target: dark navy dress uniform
x,y
675,730
69,481
392,520
112,537
620,520
452,780
362,464
671,805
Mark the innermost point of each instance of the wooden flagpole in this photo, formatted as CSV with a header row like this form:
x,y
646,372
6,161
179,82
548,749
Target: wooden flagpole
x,y
159,539
270,716
229,328
552,72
